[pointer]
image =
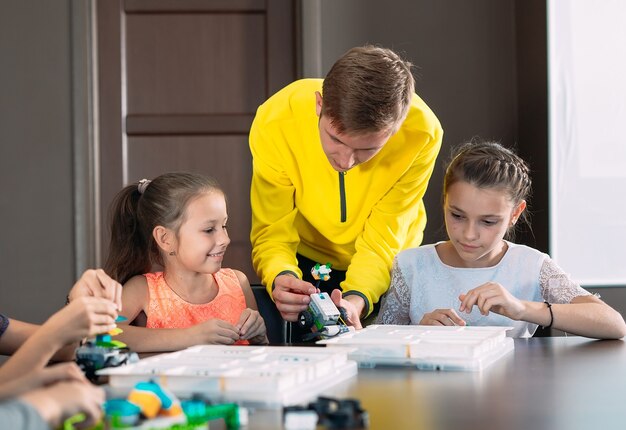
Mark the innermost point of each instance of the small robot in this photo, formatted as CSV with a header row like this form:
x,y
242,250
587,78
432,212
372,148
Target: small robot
x,y
102,352
322,317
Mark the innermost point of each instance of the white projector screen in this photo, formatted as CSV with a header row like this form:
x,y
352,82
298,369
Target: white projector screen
x,y
587,104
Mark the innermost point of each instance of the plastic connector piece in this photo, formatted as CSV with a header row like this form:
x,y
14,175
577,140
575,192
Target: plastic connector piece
x,y
321,272
327,413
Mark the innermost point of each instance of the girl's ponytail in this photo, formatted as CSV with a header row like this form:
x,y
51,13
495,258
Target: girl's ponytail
x,y
128,249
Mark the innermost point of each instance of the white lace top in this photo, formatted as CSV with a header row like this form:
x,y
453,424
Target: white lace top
x,y
421,283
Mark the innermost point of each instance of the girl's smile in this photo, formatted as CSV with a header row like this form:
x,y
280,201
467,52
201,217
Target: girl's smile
x,y
203,236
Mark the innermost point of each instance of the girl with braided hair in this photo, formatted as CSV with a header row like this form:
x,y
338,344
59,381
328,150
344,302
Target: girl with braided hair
x,y
478,276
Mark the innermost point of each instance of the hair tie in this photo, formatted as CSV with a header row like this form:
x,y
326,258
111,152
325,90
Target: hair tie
x,y
142,185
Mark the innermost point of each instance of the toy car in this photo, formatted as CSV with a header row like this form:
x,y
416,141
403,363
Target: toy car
x,y
92,357
323,317
102,351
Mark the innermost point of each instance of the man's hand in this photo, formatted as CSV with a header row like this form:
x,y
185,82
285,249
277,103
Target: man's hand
x,y
353,305
292,296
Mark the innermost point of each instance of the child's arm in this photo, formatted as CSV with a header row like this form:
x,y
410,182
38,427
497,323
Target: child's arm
x,y
15,335
86,316
61,400
39,378
251,325
395,307
213,331
584,315
55,392
135,298
92,283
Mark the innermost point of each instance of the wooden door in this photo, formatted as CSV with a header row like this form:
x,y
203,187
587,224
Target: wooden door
x,y
179,82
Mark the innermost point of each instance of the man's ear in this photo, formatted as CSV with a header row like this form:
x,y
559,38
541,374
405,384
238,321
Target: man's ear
x,y
164,238
318,103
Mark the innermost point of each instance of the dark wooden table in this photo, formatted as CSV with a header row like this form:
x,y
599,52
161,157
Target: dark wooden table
x,y
545,383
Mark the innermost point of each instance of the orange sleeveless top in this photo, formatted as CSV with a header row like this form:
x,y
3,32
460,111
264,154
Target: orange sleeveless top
x,y
167,310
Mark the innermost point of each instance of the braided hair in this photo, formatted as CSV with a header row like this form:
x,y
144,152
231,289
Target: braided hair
x,y
490,165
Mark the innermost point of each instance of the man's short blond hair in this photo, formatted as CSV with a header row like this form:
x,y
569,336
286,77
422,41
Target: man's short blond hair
x,y
368,90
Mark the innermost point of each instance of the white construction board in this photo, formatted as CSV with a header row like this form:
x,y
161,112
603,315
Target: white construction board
x,y
248,375
425,347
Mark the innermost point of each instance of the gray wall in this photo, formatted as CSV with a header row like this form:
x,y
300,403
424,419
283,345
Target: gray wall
x,y
481,67
36,203
464,53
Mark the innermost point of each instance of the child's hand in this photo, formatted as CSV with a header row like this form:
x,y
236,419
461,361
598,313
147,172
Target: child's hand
x,y
55,373
83,317
216,331
442,317
251,326
96,283
38,378
62,400
492,297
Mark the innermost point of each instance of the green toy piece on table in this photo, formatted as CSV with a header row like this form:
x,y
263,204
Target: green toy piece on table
x,y
150,406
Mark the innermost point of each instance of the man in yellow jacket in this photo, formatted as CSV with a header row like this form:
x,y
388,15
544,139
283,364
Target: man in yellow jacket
x,y
340,167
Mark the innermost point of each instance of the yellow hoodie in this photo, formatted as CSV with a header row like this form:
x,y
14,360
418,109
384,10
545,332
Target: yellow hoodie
x,y
358,220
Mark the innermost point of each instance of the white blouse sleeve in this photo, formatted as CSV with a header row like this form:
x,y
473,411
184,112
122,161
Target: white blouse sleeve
x,y
556,285
396,303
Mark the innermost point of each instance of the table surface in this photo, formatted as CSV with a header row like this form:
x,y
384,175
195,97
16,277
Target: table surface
x,y
545,383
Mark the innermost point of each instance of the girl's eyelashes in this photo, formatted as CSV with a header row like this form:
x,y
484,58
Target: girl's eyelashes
x,y
456,215
487,222
211,229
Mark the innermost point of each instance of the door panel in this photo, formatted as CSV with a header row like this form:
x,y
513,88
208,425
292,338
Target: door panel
x,y
226,158
202,64
178,85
